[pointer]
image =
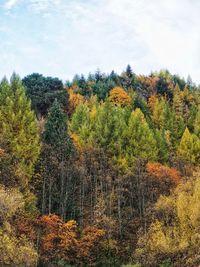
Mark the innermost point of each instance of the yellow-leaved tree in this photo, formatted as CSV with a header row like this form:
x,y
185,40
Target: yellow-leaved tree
x,y
174,234
119,97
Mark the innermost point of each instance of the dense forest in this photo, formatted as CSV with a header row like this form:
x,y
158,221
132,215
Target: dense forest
x,y
100,171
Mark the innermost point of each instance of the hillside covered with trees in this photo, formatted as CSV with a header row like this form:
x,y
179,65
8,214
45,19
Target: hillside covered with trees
x,y
100,171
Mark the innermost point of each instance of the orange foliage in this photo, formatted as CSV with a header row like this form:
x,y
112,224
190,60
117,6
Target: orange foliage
x,y
57,238
75,100
164,173
119,97
149,83
60,240
68,241
89,243
2,152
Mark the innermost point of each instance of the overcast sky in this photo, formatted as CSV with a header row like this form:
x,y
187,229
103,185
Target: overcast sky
x,y
64,37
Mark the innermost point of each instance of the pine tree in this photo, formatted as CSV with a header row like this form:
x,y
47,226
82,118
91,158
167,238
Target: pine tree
x,y
18,128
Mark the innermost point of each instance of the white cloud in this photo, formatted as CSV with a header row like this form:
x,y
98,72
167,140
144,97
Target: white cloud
x,y
10,4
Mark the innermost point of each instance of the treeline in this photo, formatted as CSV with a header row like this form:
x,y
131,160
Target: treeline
x,y
100,171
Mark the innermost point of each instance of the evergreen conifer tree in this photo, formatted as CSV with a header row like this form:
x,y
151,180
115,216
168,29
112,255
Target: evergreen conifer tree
x,y
139,139
189,147
55,166
18,128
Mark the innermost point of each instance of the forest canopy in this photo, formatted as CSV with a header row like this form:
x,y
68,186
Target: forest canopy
x,y
100,171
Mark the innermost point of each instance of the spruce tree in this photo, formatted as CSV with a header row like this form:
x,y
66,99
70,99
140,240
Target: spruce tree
x,y
129,71
55,165
56,131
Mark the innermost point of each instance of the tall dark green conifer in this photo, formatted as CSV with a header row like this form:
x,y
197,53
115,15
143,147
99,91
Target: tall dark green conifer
x,y
55,166
56,132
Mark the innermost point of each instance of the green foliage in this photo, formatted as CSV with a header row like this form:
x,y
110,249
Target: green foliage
x,y
56,178
163,145
189,147
18,128
178,101
79,118
196,124
138,139
123,127
55,129
43,91
166,263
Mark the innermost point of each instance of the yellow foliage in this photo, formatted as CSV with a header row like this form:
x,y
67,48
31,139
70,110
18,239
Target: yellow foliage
x,y
76,140
75,100
119,97
177,228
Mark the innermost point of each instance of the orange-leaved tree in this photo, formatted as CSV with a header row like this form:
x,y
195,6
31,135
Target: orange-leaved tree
x,y
57,239
75,99
162,178
61,240
89,245
119,97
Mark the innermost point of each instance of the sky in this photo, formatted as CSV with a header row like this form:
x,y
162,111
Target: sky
x,y
60,38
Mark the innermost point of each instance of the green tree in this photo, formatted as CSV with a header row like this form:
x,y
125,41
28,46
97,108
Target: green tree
x,y
197,124
165,119
55,166
109,124
80,117
43,91
178,104
162,145
189,147
138,138
18,128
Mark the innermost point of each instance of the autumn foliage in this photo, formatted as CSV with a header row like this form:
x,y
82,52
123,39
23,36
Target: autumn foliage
x,y
96,172
61,240
119,97
75,100
164,174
